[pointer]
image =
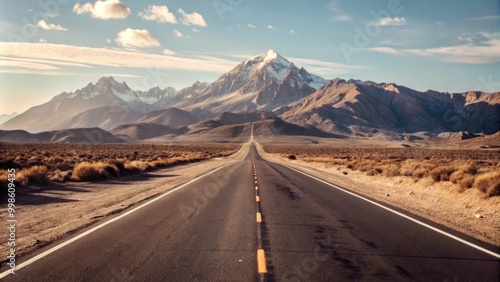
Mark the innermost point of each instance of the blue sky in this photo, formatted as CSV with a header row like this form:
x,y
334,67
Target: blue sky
x,y
51,46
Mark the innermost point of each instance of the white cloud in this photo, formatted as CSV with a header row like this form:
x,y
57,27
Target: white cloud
x,y
70,54
26,65
468,54
136,38
387,50
39,72
340,15
108,40
270,27
192,19
42,40
159,14
486,18
481,48
342,18
46,62
178,33
292,31
42,24
52,15
391,21
83,9
107,9
251,26
119,75
242,56
195,30
325,69
168,52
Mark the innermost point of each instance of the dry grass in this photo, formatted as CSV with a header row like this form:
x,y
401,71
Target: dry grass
x,y
442,173
90,171
38,164
478,169
489,183
136,166
35,175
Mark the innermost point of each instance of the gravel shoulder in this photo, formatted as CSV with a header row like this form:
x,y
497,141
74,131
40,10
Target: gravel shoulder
x,y
50,213
467,212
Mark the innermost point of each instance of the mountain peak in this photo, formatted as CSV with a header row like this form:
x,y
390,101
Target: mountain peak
x,y
270,55
106,80
110,83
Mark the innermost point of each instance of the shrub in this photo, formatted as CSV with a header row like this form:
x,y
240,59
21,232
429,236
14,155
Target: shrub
x,y
466,182
3,182
408,167
136,166
472,168
35,175
391,170
365,165
89,172
442,173
61,176
420,172
489,183
119,165
111,169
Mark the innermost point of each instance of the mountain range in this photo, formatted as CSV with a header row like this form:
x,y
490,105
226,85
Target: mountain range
x,y
267,89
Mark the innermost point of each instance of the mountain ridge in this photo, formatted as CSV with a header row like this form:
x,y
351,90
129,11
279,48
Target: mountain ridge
x,y
263,86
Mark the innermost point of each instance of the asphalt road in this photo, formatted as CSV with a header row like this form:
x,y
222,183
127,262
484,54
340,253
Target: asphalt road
x,y
256,220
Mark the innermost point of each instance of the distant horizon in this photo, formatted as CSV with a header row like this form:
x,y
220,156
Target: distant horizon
x,y
46,50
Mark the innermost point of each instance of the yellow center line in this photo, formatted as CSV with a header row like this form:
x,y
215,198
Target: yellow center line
x,y
256,188
257,198
261,261
259,217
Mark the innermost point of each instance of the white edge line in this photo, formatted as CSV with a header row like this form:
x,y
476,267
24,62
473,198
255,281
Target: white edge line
x,y
47,252
398,213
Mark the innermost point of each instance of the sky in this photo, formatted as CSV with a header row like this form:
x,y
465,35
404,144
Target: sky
x,y
51,46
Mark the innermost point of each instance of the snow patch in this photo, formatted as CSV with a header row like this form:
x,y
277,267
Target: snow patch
x,y
392,87
87,96
127,96
150,100
317,82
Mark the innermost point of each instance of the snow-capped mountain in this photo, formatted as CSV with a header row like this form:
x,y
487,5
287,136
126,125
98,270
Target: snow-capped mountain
x,y
107,92
156,94
264,82
106,87
185,93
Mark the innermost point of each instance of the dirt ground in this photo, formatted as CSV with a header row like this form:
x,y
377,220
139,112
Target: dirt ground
x,y
55,211
468,212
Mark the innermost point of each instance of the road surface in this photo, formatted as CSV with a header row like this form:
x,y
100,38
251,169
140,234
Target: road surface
x,y
256,220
